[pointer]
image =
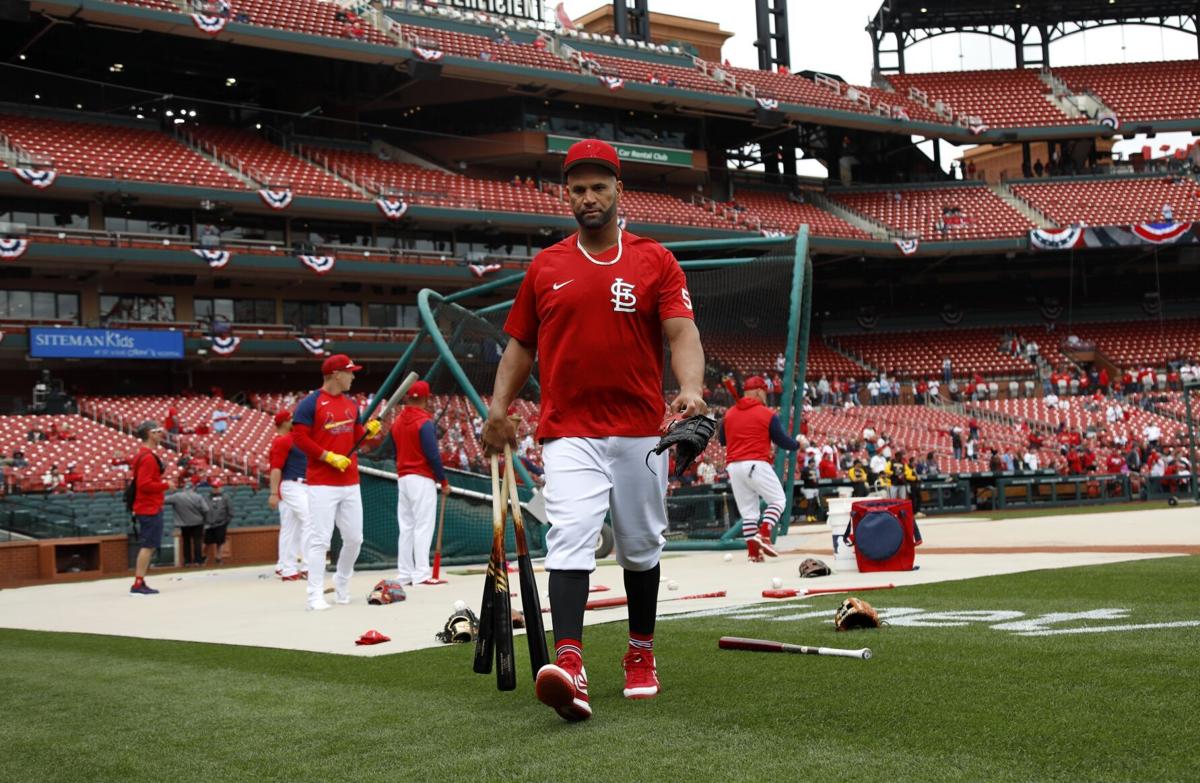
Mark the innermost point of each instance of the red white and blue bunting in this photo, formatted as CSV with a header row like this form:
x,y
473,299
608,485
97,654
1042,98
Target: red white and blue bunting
x,y
225,346
209,24
1161,233
613,83
977,129
479,270
773,233
770,104
1056,238
39,179
907,246
392,208
1051,310
429,55
318,264
951,315
12,249
314,345
276,199
216,259
1109,120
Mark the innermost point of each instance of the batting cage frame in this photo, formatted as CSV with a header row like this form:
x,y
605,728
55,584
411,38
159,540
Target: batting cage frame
x,y
1189,389
468,529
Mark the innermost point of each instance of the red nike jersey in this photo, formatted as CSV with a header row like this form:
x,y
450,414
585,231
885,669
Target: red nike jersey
x,y
324,422
597,327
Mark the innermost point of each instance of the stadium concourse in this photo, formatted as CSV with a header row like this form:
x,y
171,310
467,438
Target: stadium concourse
x,y
248,607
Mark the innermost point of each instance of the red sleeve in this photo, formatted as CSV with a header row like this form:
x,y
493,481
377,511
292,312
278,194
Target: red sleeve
x,y
674,299
522,322
279,452
149,478
302,438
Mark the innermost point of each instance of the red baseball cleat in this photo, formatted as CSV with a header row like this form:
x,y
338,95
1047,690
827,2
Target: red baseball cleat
x,y
754,550
563,686
641,676
764,546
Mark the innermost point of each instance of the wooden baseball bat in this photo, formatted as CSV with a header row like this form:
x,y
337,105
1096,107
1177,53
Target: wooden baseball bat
x,y
727,382
437,552
535,632
404,386
622,600
485,640
502,628
793,592
766,645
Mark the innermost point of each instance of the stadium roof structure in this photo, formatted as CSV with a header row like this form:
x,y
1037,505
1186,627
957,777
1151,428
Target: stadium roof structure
x,y
1023,24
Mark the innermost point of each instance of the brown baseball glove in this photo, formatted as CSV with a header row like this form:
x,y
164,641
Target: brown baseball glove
x,y
811,567
855,613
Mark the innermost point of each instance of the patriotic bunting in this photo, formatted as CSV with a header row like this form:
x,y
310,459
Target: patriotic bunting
x,y
429,55
12,249
209,24
314,345
216,259
773,233
770,104
225,346
1161,233
977,128
1051,310
276,199
951,315
392,208
1109,120
479,270
907,246
318,264
1056,238
613,83
39,179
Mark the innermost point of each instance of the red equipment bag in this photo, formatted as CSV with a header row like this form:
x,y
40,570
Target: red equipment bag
x,y
884,534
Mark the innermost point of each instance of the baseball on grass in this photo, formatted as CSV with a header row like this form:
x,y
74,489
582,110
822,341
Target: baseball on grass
x,y
460,605
672,584
776,582
728,558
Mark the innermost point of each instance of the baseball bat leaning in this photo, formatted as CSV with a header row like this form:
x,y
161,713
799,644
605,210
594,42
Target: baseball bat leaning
x,y
765,645
502,628
437,552
535,632
485,639
793,592
404,386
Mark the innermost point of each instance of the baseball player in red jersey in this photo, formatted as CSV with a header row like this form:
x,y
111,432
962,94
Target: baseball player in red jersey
x,y
419,471
289,496
747,432
325,427
594,309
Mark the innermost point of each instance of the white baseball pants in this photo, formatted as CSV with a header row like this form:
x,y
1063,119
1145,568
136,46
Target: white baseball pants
x,y
329,506
416,512
753,481
587,478
293,516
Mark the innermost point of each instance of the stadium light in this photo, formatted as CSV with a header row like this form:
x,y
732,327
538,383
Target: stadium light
x,y
230,82
180,120
21,57
37,97
116,68
192,113
169,113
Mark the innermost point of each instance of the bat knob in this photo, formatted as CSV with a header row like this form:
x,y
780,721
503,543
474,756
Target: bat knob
x,y
867,654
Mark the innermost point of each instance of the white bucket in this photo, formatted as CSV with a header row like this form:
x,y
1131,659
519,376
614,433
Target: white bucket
x,y
839,520
845,492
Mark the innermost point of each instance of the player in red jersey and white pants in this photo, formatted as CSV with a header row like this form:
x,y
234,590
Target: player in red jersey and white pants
x,y
325,427
594,308
289,497
747,432
419,473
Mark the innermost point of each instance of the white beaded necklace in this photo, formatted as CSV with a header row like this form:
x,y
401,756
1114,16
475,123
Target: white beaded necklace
x,y
586,255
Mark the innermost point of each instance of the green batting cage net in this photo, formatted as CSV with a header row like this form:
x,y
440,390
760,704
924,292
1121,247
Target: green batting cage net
x,y
752,298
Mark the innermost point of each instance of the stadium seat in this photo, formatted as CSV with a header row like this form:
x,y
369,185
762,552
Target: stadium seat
x,y
277,167
1012,98
1112,202
929,213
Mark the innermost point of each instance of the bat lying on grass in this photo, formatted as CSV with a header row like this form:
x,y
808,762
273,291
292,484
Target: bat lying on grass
x,y
793,592
621,600
765,645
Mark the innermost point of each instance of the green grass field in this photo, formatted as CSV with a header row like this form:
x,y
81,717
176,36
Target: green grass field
x,y
967,703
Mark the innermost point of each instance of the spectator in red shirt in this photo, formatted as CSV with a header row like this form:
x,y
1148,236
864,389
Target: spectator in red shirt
x,y
1103,384
149,487
827,469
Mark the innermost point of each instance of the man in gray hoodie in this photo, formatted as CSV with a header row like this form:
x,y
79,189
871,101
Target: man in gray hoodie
x,y
191,512
219,517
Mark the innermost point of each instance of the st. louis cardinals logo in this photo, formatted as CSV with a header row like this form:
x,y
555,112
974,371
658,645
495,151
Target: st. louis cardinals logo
x,y
623,299
335,426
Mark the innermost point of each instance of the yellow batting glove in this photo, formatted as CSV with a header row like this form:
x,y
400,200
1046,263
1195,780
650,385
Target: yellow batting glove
x,y
336,460
373,427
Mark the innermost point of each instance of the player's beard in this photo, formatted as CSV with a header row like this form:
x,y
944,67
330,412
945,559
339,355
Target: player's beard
x,y
599,220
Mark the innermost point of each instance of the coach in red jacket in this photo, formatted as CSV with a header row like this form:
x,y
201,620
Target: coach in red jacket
x,y
747,432
419,471
149,488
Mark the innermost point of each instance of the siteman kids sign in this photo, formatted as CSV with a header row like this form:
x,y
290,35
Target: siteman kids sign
x,y
48,343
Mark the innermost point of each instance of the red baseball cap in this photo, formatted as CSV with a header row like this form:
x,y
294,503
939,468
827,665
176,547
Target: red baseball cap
x,y
418,390
282,416
337,363
754,382
594,151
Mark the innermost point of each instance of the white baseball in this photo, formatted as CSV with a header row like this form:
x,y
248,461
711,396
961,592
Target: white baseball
x,y
776,582
672,584
728,558
460,605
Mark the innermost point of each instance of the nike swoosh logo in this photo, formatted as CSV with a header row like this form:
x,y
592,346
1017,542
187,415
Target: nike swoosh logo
x,y
324,402
557,286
